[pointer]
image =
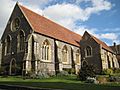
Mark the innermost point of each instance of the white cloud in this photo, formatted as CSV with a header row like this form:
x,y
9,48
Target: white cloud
x,y
6,7
34,3
75,12
65,14
111,36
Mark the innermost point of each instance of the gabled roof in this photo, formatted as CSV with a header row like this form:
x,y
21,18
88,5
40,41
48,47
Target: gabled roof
x,y
49,28
104,45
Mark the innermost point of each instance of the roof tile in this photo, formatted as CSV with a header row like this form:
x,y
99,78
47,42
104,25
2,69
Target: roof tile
x,y
47,27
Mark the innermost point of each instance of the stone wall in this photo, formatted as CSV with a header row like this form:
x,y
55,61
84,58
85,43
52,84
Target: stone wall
x,y
51,64
109,59
95,58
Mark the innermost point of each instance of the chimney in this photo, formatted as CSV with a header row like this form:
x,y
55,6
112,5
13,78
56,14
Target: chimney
x,y
114,44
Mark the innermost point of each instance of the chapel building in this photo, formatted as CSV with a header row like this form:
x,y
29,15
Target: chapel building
x,y
34,43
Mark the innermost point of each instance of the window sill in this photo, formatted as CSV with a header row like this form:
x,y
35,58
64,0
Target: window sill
x,y
65,63
46,60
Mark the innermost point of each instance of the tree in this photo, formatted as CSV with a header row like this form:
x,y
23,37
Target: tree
x,y
86,71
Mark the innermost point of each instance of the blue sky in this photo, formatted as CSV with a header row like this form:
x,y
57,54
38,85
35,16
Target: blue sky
x,y
99,17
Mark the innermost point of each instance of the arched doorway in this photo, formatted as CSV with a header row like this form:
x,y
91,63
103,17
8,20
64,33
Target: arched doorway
x,y
84,63
12,67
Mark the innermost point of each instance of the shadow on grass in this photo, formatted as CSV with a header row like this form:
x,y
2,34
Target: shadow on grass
x,y
63,85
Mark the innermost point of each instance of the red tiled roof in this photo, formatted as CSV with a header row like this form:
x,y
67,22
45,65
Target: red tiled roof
x,y
104,45
47,27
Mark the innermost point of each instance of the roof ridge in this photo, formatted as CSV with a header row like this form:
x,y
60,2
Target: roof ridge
x,y
107,47
49,20
104,45
45,26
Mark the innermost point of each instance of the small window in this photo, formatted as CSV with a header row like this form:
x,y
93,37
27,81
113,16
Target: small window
x,y
88,51
15,24
45,50
84,63
64,54
8,45
21,41
78,56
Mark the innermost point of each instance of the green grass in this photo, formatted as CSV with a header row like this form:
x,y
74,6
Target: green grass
x,y
69,83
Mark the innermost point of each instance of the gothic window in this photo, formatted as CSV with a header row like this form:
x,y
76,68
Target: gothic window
x,y
88,51
113,63
84,63
64,54
109,66
8,44
15,24
78,56
45,50
21,41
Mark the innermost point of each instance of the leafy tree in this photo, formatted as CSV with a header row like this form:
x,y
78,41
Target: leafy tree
x,y
86,71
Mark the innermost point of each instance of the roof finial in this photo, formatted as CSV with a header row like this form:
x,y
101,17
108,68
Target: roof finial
x,y
17,2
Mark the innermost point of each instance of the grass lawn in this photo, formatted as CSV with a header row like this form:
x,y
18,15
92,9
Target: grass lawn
x,y
69,83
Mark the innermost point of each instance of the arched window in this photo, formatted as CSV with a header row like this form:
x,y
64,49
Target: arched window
x,y
21,40
78,56
84,63
45,50
64,54
15,24
88,51
113,62
8,44
108,60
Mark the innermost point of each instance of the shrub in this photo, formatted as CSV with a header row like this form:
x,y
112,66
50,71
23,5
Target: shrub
x,y
63,73
116,70
91,80
114,78
107,72
102,79
72,71
69,70
86,71
2,70
40,74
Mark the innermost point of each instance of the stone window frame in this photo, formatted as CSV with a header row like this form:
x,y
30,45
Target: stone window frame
x,y
46,51
12,22
88,52
6,51
77,55
83,63
19,48
65,54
